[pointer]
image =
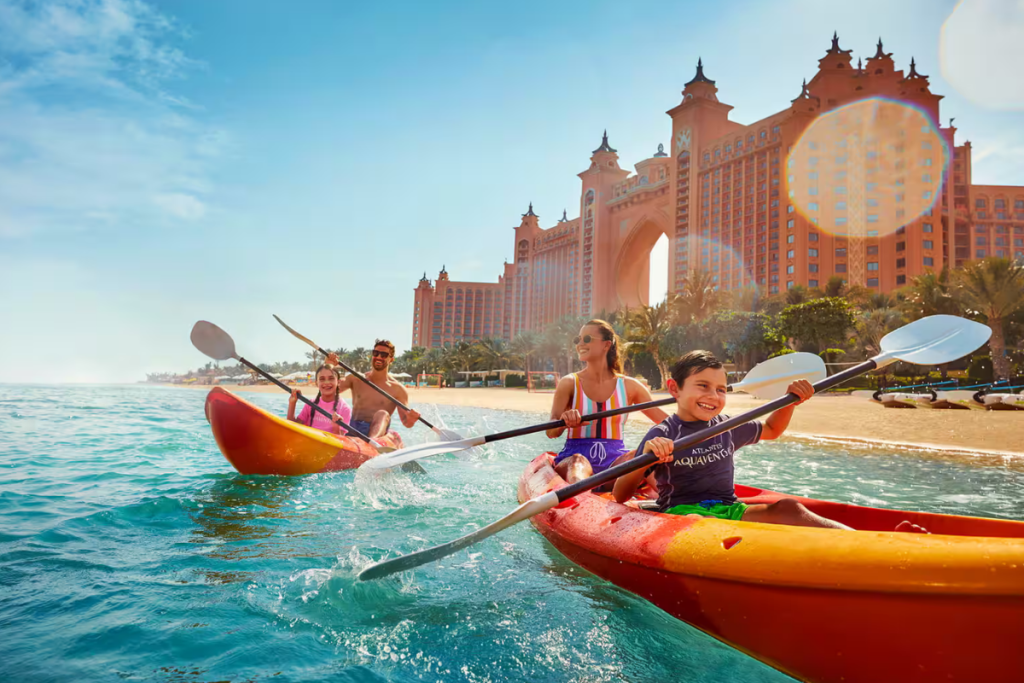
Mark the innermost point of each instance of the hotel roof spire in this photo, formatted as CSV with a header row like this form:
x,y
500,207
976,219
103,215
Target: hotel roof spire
x,y
700,77
530,212
563,219
605,147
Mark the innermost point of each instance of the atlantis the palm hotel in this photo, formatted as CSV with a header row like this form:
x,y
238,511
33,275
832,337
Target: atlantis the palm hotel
x,y
722,196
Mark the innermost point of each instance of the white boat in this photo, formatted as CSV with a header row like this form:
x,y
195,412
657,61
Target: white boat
x,y
1015,401
956,399
900,400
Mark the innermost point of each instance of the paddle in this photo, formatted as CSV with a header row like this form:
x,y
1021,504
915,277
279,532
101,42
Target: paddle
x,y
218,344
933,340
442,433
767,380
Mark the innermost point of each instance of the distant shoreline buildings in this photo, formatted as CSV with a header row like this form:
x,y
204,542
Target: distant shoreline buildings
x,y
723,199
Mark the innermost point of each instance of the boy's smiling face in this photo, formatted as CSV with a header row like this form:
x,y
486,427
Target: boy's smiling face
x,y
702,395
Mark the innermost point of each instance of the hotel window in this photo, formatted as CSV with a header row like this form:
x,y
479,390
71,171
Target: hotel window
x,y
980,241
790,239
1000,204
790,270
979,203
901,263
980,253
841,159
927,195
926,227
841,251
899,197
872,218
813,191
872,202
840,267
872,233
901,279
764,134
926,178
1018,204
873,265
775,130
872,282
812,237
840,189
925,144
841,220
790,254
812,253
790,223
901,246
812,268
873,250
840,206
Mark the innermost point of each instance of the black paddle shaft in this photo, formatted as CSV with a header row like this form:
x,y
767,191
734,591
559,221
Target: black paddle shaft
x,y
352,430
613,473
522,431
380,391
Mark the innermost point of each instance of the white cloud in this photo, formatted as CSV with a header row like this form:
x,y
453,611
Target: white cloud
x,y
981,54
89,138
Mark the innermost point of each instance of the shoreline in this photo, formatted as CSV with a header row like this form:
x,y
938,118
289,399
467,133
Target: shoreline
x,y
978,437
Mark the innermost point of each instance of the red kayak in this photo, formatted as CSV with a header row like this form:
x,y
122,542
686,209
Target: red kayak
x,y
257,442
821,605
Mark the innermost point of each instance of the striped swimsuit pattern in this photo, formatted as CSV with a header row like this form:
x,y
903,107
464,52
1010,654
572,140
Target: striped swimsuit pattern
x,y
609,427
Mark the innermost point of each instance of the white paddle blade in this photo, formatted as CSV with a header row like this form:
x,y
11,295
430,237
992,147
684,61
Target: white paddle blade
x,y
934,340
447,434
213,341
770,379
424,450
532,507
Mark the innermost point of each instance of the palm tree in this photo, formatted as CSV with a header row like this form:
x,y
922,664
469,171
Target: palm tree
x,y
494,352
648,327
796,294
698,298
874,324
993,288
524,347
931,294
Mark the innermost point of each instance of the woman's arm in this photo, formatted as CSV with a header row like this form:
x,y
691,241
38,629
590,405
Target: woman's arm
x,y
636,392
560,405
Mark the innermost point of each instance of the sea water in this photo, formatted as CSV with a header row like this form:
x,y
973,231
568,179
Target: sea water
x,y
131,550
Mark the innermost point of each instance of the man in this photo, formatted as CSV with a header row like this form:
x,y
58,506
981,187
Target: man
x,y
371,412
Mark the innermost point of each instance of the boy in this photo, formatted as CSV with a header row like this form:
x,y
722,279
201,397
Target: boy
x,y
699,480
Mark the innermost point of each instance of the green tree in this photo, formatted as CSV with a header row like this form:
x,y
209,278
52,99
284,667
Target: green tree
x,y
648,328
819,324
930,294
993,289
698,298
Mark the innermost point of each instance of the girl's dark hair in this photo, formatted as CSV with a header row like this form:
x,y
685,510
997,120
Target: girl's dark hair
x,y
316,401
608,334
692,363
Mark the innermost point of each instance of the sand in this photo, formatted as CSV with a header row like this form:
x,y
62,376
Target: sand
x,y
982,437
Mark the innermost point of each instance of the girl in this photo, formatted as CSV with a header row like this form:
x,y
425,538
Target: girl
x,y
327,398
596,445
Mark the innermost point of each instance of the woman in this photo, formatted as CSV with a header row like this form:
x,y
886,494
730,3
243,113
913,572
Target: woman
x,y
596,445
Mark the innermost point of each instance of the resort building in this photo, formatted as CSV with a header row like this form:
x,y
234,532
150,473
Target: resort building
x,y
727,196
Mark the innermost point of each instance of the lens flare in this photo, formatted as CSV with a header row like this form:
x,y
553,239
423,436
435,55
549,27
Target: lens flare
x,y
980,54
727,270
866,169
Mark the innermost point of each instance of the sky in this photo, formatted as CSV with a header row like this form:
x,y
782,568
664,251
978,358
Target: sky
x,y
166,162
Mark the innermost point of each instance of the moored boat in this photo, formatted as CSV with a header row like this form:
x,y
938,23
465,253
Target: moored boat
x,y
819,604
255,441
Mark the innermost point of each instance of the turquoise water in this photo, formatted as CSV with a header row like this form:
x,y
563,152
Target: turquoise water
x,y
130,550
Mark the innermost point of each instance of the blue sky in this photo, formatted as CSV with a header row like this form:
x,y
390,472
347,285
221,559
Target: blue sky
x,y
165,162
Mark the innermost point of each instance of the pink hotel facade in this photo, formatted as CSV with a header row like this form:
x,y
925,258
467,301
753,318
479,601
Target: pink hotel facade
x,y
722,199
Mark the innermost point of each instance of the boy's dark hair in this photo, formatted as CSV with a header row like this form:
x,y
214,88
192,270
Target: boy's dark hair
x,y
692,363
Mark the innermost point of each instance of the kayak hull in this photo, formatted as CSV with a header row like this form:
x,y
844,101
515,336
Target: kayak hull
x,y
821,605
255,441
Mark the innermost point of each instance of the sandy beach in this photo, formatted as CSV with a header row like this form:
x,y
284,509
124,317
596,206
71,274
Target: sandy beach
x,y
983,437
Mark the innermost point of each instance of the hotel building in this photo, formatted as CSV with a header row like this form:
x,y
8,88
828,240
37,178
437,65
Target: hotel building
x,y
724,197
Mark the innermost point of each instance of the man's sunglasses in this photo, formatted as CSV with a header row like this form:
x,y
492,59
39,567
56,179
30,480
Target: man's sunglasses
x,y
586,339
380,354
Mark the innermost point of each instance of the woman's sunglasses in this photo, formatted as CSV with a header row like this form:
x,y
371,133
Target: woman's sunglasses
x,y
586,339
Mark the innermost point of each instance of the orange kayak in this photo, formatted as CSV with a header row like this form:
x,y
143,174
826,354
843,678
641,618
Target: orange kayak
x,y
818,604
257,442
